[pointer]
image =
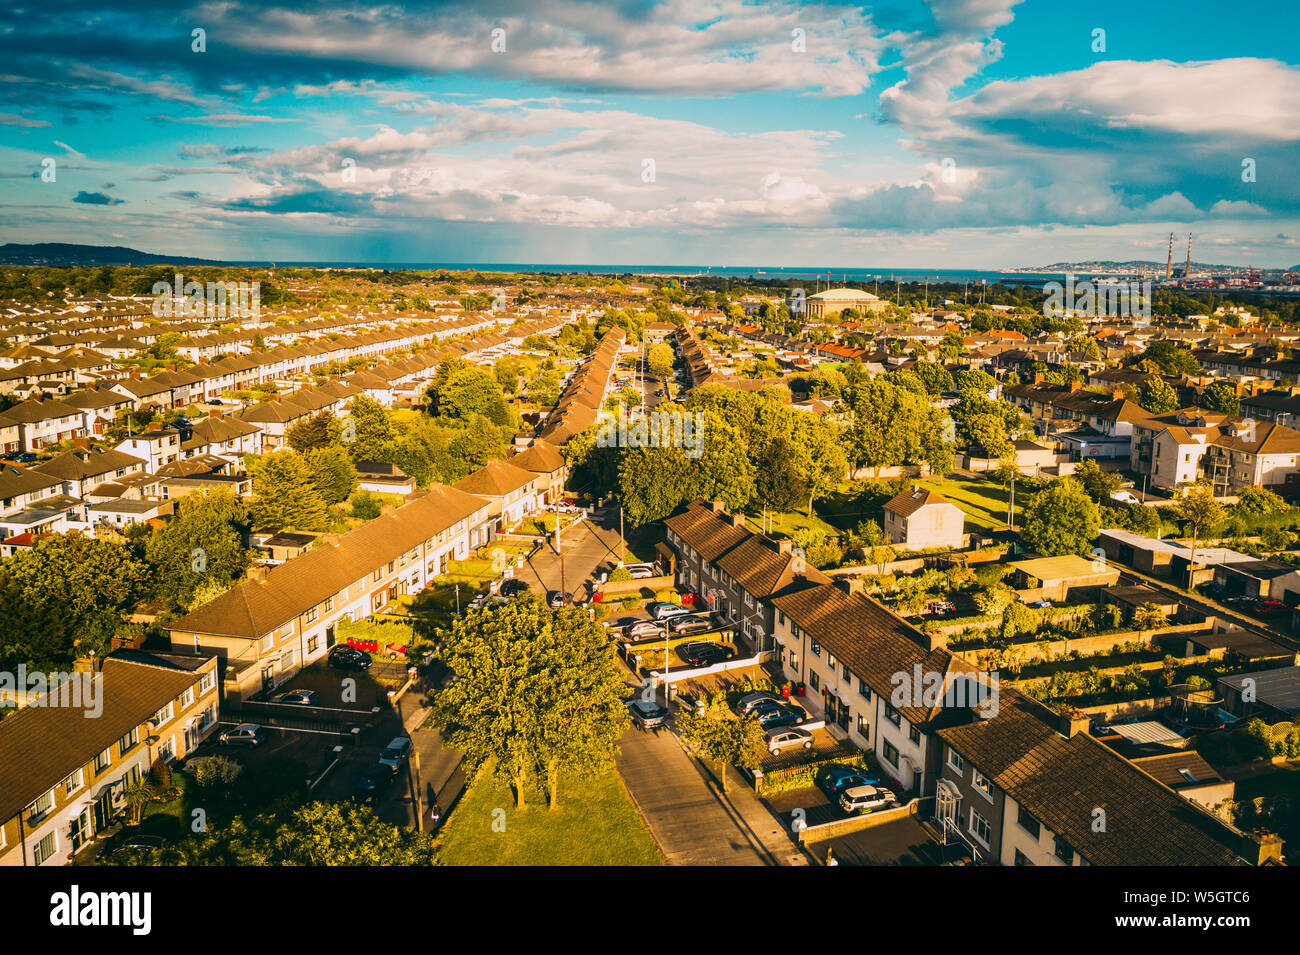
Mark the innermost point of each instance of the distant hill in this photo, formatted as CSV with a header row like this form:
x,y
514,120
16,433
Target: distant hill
x,y
64,253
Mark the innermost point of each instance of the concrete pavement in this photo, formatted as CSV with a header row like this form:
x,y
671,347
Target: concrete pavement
x,y
690,817
593,542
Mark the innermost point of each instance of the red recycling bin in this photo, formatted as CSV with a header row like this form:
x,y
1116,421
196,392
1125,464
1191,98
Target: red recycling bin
x,y
785,692
800,689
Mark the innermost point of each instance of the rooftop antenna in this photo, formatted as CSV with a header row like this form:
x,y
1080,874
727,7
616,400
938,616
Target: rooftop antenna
x,y
1187,270
1169,264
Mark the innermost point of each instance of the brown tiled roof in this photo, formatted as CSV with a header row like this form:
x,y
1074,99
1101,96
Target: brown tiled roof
x,y
497,478
252,609
1062,781
43,745
907,503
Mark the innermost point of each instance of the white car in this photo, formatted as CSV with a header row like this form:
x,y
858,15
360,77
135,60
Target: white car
x,y
788,738
864,799
663,611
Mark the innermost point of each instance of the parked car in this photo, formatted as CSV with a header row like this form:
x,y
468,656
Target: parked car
x,y
664,610
835,779
397,752
245,734
864,799
298,698
640,573
343,657
685,624
647,714
514,587
143,841
703,653
942,608
784,715
749,702
373,781
788,738
644,628
555,599
1270,608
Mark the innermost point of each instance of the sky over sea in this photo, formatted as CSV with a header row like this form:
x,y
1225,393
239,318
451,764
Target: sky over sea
x,y
973,134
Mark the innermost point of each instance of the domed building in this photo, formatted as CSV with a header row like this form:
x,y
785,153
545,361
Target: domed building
x,y
835,300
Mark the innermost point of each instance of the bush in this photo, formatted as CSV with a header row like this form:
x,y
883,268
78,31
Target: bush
x,y
365,506
215,772
161,774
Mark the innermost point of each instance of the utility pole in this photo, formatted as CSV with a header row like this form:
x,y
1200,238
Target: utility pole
x,y
1011,515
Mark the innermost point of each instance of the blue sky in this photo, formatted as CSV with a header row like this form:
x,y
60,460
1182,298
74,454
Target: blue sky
x,y
955,133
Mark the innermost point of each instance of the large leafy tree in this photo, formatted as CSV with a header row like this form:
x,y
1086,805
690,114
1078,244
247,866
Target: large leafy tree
x,y
309,433
652,483
723,471
659,359
1221,396
535,689
332,473
1157,396
202,547
284,495
461,390
1061,519
64,596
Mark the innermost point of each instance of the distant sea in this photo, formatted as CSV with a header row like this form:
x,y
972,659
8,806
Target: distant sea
x,y
830,276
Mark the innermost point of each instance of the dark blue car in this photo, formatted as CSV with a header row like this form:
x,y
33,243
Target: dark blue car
x,y
784,715
836,779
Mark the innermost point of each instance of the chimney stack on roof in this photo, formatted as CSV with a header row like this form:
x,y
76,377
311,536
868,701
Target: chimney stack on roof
x,y
850,585
155,426
257,573
1117,393
1038,377
738,519
1076,384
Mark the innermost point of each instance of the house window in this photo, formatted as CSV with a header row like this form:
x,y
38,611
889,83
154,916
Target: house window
x,y
311,615
815,649
74,782
1022,859
1064,851
893,715
955,761
43,804
167,749
206,682
814,680
844,670
312,643
128,740
979,828
1028,822
163,715
981,782
914,734
864,728
44,849
891,753
864,691
830,661
102,762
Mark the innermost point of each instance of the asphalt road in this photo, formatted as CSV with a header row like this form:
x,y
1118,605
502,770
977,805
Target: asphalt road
x,y
593,543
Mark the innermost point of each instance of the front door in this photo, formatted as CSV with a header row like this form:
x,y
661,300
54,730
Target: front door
x,y
268,677
329,637
104,809
79,830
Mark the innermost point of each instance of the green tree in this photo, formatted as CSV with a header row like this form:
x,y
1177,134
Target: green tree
x,y
310,433
1060,519
513,663
652,483
659,360
332,473
1198,510
461,390
1222,397
727,740
202,545
284,494
1157,396
64,597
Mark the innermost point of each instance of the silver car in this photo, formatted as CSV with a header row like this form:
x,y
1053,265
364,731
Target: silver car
x,y
864,799
788,738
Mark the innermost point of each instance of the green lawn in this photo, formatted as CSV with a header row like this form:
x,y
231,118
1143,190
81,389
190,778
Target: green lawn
x,y
595,824
787,523
984,502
